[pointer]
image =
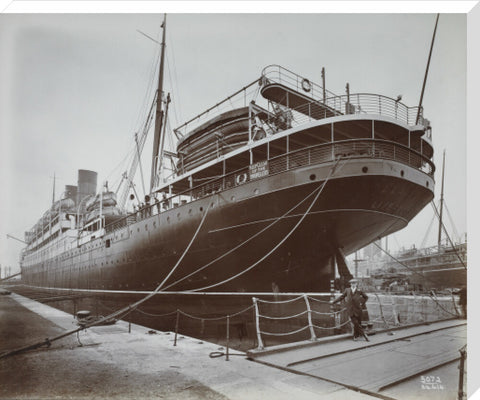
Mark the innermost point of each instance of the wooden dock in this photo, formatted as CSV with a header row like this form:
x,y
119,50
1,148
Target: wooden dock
x,y
416,362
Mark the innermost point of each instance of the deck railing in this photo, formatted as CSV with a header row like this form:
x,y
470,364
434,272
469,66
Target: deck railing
x,y
358,104
278,74
314,155
325,103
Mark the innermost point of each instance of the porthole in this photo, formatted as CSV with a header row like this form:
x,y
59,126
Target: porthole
x,y
232,198
201,209
427,183
365,170
190,212
168,219
313,177
256,191
402,173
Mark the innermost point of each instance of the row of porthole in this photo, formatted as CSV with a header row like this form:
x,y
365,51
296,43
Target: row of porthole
x,y
255,192
365,170
402,174
154,224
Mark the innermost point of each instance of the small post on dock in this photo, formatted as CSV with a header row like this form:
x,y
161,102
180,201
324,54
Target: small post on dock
x,y
257,324
176,328
310,324
228,337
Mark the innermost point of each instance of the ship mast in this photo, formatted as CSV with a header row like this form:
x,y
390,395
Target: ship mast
x,y
159,111
440,222
426,71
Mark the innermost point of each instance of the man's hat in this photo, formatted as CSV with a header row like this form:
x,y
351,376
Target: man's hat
x,y
353,281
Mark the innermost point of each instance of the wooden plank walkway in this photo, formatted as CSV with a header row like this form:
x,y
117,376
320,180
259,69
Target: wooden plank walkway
x,y
378,365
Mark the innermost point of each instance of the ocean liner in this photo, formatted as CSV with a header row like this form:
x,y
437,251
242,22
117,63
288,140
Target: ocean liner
x,y
267,191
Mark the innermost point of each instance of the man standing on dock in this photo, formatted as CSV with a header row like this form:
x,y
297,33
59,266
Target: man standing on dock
x,y
355,300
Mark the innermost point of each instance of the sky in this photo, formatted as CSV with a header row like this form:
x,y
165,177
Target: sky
x,y
75,89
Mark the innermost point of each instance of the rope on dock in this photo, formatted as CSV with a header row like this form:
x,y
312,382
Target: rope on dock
x,y
124,311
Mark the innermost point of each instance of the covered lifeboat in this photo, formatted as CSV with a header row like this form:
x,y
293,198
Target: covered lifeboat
x,y
216,137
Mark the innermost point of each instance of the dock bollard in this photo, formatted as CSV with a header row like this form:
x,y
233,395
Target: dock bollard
x,y
228,336
176,328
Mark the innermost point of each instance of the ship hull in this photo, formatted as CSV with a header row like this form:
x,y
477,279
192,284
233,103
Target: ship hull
x,y
288,228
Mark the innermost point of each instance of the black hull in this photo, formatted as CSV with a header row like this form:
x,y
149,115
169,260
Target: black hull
x,y
351,211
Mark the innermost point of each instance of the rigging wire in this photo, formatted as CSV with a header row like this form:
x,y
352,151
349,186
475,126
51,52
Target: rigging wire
x,y
177,92
455,232
140,165
150,87
174,106
141,116
448,236
422,245
404,265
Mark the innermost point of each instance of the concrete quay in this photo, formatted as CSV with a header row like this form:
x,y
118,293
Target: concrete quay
x,y
109,362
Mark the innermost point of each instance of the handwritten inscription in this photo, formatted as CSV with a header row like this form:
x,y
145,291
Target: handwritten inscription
x,y
431,382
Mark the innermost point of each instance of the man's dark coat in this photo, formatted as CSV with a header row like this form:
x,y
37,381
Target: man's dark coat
x,y
354,301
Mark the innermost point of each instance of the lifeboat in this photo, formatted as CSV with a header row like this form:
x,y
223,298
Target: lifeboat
x,y
109,199
218,136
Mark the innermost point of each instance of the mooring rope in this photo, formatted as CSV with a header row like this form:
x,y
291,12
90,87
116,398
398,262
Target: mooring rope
x,y
320,190
435,299
242,243
124,311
